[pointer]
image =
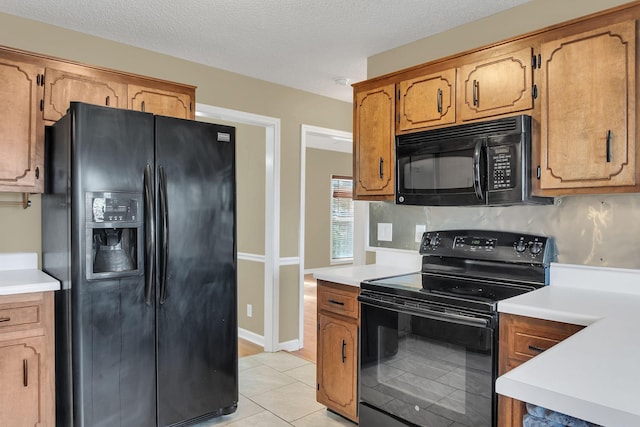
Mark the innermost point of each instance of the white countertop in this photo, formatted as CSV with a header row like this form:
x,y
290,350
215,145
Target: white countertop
x,y
595,374
19,274
353,275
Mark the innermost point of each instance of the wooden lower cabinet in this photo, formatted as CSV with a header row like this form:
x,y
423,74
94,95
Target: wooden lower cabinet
x,y
521,339
337,359
27,360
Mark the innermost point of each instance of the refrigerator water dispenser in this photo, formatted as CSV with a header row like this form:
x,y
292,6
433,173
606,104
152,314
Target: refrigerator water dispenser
x,y
113,235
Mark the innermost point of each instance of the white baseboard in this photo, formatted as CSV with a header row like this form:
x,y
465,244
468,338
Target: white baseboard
x,y
251,337
292,345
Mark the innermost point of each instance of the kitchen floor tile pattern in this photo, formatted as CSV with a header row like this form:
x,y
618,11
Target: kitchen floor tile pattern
x,y
277,389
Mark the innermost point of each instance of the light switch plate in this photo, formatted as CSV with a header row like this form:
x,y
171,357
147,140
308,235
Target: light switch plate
x,y
385,232
420,229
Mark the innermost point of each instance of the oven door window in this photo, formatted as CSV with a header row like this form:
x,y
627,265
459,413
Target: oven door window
x,y
427,371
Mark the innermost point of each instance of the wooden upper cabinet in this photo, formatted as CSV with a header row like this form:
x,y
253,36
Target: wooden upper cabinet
x,y
63,87
495,86
588,114
373,144
427,101
21,127
161,102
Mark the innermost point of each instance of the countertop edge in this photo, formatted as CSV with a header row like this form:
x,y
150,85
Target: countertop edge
x,y
354,275
14,282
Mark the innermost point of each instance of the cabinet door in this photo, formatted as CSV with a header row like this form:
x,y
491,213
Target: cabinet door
x,y
588,116
20,400
63,87
522,338
21,127
496,86
161,102
337,365
373,144
427,101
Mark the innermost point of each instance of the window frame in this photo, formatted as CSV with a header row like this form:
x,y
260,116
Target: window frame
x,y
332,196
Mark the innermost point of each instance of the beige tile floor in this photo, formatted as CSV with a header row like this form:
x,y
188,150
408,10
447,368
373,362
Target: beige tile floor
x,y
278,389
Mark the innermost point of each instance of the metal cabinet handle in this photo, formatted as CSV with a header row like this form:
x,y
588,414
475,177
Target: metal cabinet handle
x,y
536,349
344,347
25,372
381,166
332,301
142,106
439,101
608,145
475,93
107,101
5,319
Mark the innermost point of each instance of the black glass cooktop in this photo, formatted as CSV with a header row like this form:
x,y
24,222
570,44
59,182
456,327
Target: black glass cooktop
x,y
478,294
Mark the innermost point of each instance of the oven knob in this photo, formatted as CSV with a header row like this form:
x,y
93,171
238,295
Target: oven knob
x,y
521,246
535,248
435,241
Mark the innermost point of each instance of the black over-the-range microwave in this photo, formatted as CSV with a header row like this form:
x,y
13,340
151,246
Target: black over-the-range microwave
x,y
484,163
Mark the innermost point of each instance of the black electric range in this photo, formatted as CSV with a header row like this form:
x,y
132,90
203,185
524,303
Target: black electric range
x,y
429,340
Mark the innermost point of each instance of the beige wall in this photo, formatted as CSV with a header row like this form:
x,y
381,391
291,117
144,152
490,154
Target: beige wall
x,y
215,87
251,291
525,18
320,165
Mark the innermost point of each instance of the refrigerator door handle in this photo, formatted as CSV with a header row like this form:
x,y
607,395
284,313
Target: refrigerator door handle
x,y
150,234
164,234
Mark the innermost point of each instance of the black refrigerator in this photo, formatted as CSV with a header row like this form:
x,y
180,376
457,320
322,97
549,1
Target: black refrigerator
x,y
139,225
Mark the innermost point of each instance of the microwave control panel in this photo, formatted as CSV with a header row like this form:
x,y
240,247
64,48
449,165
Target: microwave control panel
x,y
502,170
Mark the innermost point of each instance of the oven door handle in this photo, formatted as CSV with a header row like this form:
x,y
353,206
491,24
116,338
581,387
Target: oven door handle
x,y
459,319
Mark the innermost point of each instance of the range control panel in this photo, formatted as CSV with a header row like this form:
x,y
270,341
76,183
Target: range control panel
x,y
490,245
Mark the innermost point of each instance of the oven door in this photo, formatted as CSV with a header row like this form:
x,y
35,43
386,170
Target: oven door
x,y
438,173
424,365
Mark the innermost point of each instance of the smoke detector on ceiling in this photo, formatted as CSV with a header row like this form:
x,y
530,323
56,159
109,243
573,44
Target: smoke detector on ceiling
x,y
341,81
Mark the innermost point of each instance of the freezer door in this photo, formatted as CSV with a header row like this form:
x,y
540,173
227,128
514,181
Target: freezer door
x,y
196,295
105,354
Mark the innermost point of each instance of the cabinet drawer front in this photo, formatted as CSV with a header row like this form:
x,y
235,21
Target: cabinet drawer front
x,y
19,316
531,345
338,301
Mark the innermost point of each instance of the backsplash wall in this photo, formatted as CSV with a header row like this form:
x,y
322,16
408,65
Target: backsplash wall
x,y
601,230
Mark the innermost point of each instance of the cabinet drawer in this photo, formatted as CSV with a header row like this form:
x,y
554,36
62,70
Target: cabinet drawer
x,y
522,338
339,299
531,345
18,316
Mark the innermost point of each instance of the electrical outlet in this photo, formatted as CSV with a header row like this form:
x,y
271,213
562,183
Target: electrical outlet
x,y
249,310
420,229
385,232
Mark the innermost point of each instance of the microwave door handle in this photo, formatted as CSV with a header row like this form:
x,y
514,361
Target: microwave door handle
x,y
477,181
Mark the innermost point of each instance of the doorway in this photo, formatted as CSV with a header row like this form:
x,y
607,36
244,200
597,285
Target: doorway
x,y
316,138
270,337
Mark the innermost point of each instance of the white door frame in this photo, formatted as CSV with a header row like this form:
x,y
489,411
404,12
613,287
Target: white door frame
x,y
272,212
304,131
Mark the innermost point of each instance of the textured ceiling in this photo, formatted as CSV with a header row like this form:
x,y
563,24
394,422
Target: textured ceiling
x,y
304,44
